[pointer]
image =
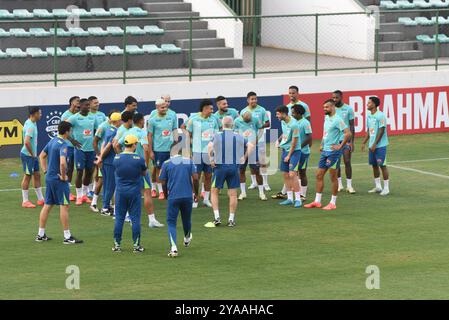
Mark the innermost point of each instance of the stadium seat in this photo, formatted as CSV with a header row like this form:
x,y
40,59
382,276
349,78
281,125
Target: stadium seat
x,y
95,51
60,32
134,50
442,38
407,21
422,4
439,4
113,50
424,38
170,48
153,30
5,14
389,5
100,12
36,53
97,31
39,32
16,53
4,34
19,33
22,14
60,13
42,14
119,12
404,4
59,52
78,32
115,31
135,31
423,21
82,13
441,20
152,49
75,52
3,55
137,12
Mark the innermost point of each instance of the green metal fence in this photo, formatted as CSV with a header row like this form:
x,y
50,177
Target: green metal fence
x,y
259,55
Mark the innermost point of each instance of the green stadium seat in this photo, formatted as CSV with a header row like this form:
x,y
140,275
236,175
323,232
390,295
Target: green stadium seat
x,y
97,31
3,55
119,12
170,48
39,32
442,38
137,12
59,52
407,21
151,49
60,13
4,34
422,4
79,32
95,51
134,50
75,52
82,13
439,4
115,31
36,53
441,20
22,14
16,53
19,33
389,5
60,32
423,21
42,14
404,4
135,31
5,14
113,50
153,30
100,12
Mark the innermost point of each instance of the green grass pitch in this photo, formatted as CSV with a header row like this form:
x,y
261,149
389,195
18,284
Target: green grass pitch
x,y
273,253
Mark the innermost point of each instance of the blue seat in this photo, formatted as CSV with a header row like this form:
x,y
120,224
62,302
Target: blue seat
x,y
60,32
36,53
95,51
115,31
422,4
39,32
389,5
75,52
97,31
79,32
119,12
407,21
113,50
19,33
100,12
152,49
134,50
22,14
404,4
153,30
60,13
4,34
137,12
42,14
5,14
3,55
170,48
423,21
16,53
59,52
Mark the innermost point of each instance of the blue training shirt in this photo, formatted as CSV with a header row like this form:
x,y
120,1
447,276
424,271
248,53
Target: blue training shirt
x,y
108,137
177,172
229,148
129,169
55,149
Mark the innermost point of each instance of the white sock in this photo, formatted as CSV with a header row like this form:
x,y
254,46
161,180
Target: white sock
x,y
377,182
94,186
284,189
253,180
297,195
153,186
94,199
304,191
67,234
261,192
79,192
387,184
151,217
265,179
349,183
318,197
38,191
159,186
25,195
174,248
206,195
202,188
85,190
243,188
334,200
290,195
216,214
231,216
340,183
41,232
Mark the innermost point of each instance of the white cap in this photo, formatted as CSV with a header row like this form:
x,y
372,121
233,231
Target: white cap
x,y
159,101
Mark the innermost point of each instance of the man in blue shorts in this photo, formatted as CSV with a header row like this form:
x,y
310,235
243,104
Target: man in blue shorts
x,y
226,154
129,170
54,164
291,155
331,149
178,177
30,161
378,142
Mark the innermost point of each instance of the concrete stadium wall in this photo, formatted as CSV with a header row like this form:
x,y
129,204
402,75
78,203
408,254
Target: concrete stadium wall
x,y
229,29
415,102
350,36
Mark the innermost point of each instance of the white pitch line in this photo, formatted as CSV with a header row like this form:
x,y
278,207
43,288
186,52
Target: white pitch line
x,y
421,171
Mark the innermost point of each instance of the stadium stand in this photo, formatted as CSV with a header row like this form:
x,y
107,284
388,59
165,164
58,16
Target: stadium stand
x,y
102,41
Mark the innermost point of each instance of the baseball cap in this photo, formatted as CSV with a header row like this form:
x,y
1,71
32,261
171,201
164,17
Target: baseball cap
x,y
131,139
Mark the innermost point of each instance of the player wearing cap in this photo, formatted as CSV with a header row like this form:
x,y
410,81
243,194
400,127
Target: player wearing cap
x,y
54,163
129,170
